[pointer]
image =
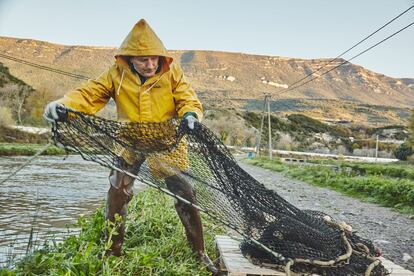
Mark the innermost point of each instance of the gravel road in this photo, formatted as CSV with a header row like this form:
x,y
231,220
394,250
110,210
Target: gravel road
x,y
389,230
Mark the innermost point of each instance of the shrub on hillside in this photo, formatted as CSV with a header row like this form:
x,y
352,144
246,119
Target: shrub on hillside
x,y
339,131
232,130
365,152
306,123
355,146
286,142
340,150
411,129
6,118
403,152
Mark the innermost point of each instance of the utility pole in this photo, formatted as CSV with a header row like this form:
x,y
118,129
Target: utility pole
x,y
270,127
259,139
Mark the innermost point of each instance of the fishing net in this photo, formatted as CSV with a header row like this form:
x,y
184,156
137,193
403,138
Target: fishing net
x,y
275,232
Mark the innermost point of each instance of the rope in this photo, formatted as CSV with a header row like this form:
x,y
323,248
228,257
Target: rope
x,y
343,257
42,150
371,267
287,267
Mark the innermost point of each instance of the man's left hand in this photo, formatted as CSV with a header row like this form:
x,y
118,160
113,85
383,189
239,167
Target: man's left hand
x,y
190,119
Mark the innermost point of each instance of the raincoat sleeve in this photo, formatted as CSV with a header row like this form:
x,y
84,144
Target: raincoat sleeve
x,y
184,95
92,96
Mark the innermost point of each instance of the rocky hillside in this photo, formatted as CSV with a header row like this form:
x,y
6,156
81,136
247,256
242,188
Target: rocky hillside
x,y
303,133
229,79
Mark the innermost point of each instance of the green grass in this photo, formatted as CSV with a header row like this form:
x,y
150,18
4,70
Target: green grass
x,y
155,245
387,185
401,169
398,170
11,149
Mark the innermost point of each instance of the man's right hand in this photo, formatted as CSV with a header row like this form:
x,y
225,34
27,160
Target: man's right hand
x,y
51,113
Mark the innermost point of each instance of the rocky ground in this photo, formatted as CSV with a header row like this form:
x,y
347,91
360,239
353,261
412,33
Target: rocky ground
x,y
389,230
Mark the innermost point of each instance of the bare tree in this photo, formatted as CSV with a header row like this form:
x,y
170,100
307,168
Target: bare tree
x,y
7,94
232,130
21,96
286,142
13,96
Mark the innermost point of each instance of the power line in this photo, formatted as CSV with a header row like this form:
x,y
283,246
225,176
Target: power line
x,y
346,51
43,67
347,61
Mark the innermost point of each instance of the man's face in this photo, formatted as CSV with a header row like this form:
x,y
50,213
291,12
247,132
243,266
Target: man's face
x,y
146,65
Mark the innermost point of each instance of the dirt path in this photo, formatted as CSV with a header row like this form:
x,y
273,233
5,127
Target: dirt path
x,y
391,231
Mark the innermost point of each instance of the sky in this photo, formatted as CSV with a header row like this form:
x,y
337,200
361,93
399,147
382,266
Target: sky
x,y
294,28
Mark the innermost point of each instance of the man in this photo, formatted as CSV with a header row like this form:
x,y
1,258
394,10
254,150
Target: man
x,y
146,87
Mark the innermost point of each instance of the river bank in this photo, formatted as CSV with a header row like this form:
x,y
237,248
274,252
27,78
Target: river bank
x,y
155,245
26,141
27,149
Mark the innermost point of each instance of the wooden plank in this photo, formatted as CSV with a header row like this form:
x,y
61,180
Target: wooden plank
x,y
395,269
234,263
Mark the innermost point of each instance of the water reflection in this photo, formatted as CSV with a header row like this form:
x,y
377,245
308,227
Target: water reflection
x,y
46,196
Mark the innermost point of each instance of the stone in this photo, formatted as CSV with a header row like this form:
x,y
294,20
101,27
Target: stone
x,y
406,257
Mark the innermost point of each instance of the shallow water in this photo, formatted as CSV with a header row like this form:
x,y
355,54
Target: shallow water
x,y
46,196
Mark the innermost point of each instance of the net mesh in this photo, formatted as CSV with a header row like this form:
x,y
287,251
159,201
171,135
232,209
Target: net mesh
x,y
275,232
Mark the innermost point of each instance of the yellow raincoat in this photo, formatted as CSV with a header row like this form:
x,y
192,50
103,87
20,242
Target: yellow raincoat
x,y
165,95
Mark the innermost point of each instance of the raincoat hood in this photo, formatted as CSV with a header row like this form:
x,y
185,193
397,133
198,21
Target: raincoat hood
x,y
161,97
142,41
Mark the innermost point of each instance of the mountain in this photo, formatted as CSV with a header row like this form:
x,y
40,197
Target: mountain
x,y
225,79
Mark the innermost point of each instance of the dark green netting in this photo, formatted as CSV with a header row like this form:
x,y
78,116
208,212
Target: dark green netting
x,y
276,232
